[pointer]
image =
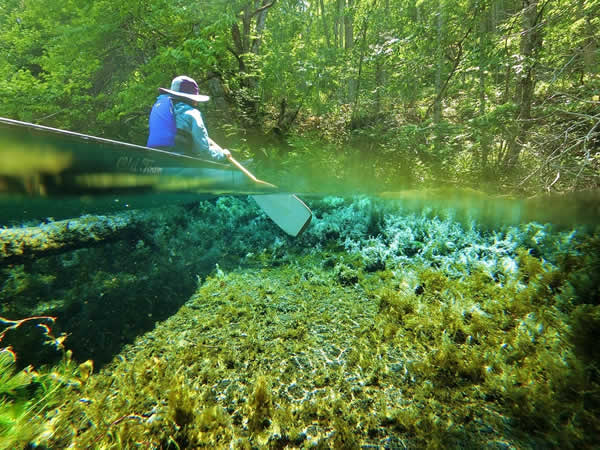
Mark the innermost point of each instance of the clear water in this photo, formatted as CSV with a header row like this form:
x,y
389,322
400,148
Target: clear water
x,y
397,320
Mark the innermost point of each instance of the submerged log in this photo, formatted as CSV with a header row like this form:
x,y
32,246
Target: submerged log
x,y
19,244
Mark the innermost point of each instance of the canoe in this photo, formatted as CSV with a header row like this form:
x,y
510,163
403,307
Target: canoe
x,y
51,173
37,160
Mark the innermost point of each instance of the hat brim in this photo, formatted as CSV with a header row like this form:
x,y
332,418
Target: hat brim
x,y
195,98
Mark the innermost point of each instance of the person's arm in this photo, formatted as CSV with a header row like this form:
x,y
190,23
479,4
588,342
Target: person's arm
x,y
200,137
218,148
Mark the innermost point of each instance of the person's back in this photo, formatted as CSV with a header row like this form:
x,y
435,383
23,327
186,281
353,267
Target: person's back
x,y
162,125
176,125
191,137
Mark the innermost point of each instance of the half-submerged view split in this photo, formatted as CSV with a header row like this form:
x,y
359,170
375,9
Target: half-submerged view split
x,y
344,224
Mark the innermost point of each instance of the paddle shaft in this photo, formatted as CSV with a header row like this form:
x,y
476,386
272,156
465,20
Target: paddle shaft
x,y
246,172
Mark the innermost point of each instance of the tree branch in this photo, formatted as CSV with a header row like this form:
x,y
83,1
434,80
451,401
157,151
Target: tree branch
x,y
457,61
262,8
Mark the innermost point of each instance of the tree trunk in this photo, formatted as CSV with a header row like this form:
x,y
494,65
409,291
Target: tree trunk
x,y
379,83
531,42
484,140
355,82
437,105
325,27
261,19
483,43
338,25
348,27
20,244
335,26
590,46
247,38
507,73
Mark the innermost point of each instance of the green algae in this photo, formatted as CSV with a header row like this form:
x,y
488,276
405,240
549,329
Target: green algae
x,y
426,336
294,356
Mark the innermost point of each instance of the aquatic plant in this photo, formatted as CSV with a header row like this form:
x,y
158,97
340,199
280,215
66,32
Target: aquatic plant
x,y
15,427
378,326
280,357
28,399
260,404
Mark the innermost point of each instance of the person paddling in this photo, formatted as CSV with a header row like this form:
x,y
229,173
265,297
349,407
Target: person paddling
x,y
176,124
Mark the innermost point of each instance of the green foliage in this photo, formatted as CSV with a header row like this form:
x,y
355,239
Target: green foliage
x,y
11,383
27,399
438,90
15,428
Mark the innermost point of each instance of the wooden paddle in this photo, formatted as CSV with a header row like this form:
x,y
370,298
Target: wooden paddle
x,y
286,210
247,172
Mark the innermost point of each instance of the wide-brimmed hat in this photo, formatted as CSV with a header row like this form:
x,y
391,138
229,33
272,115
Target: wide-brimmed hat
x,y
185,87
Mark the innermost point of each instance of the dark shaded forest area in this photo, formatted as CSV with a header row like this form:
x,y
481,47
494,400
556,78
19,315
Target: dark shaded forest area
x,y
489,94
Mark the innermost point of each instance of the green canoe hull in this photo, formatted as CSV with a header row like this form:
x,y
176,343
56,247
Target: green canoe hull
x,y
39,160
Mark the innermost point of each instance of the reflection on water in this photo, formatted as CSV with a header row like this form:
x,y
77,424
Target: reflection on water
x,y
46,162
575,209
16,210
581,208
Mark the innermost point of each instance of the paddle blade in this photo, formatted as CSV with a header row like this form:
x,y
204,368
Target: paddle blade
x,y
286,210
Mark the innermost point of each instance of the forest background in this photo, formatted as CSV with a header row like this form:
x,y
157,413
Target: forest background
x,y
498,95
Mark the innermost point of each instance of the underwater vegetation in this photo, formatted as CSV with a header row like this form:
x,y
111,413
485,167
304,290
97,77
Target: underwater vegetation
x,y
28,398
156,270
377,327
